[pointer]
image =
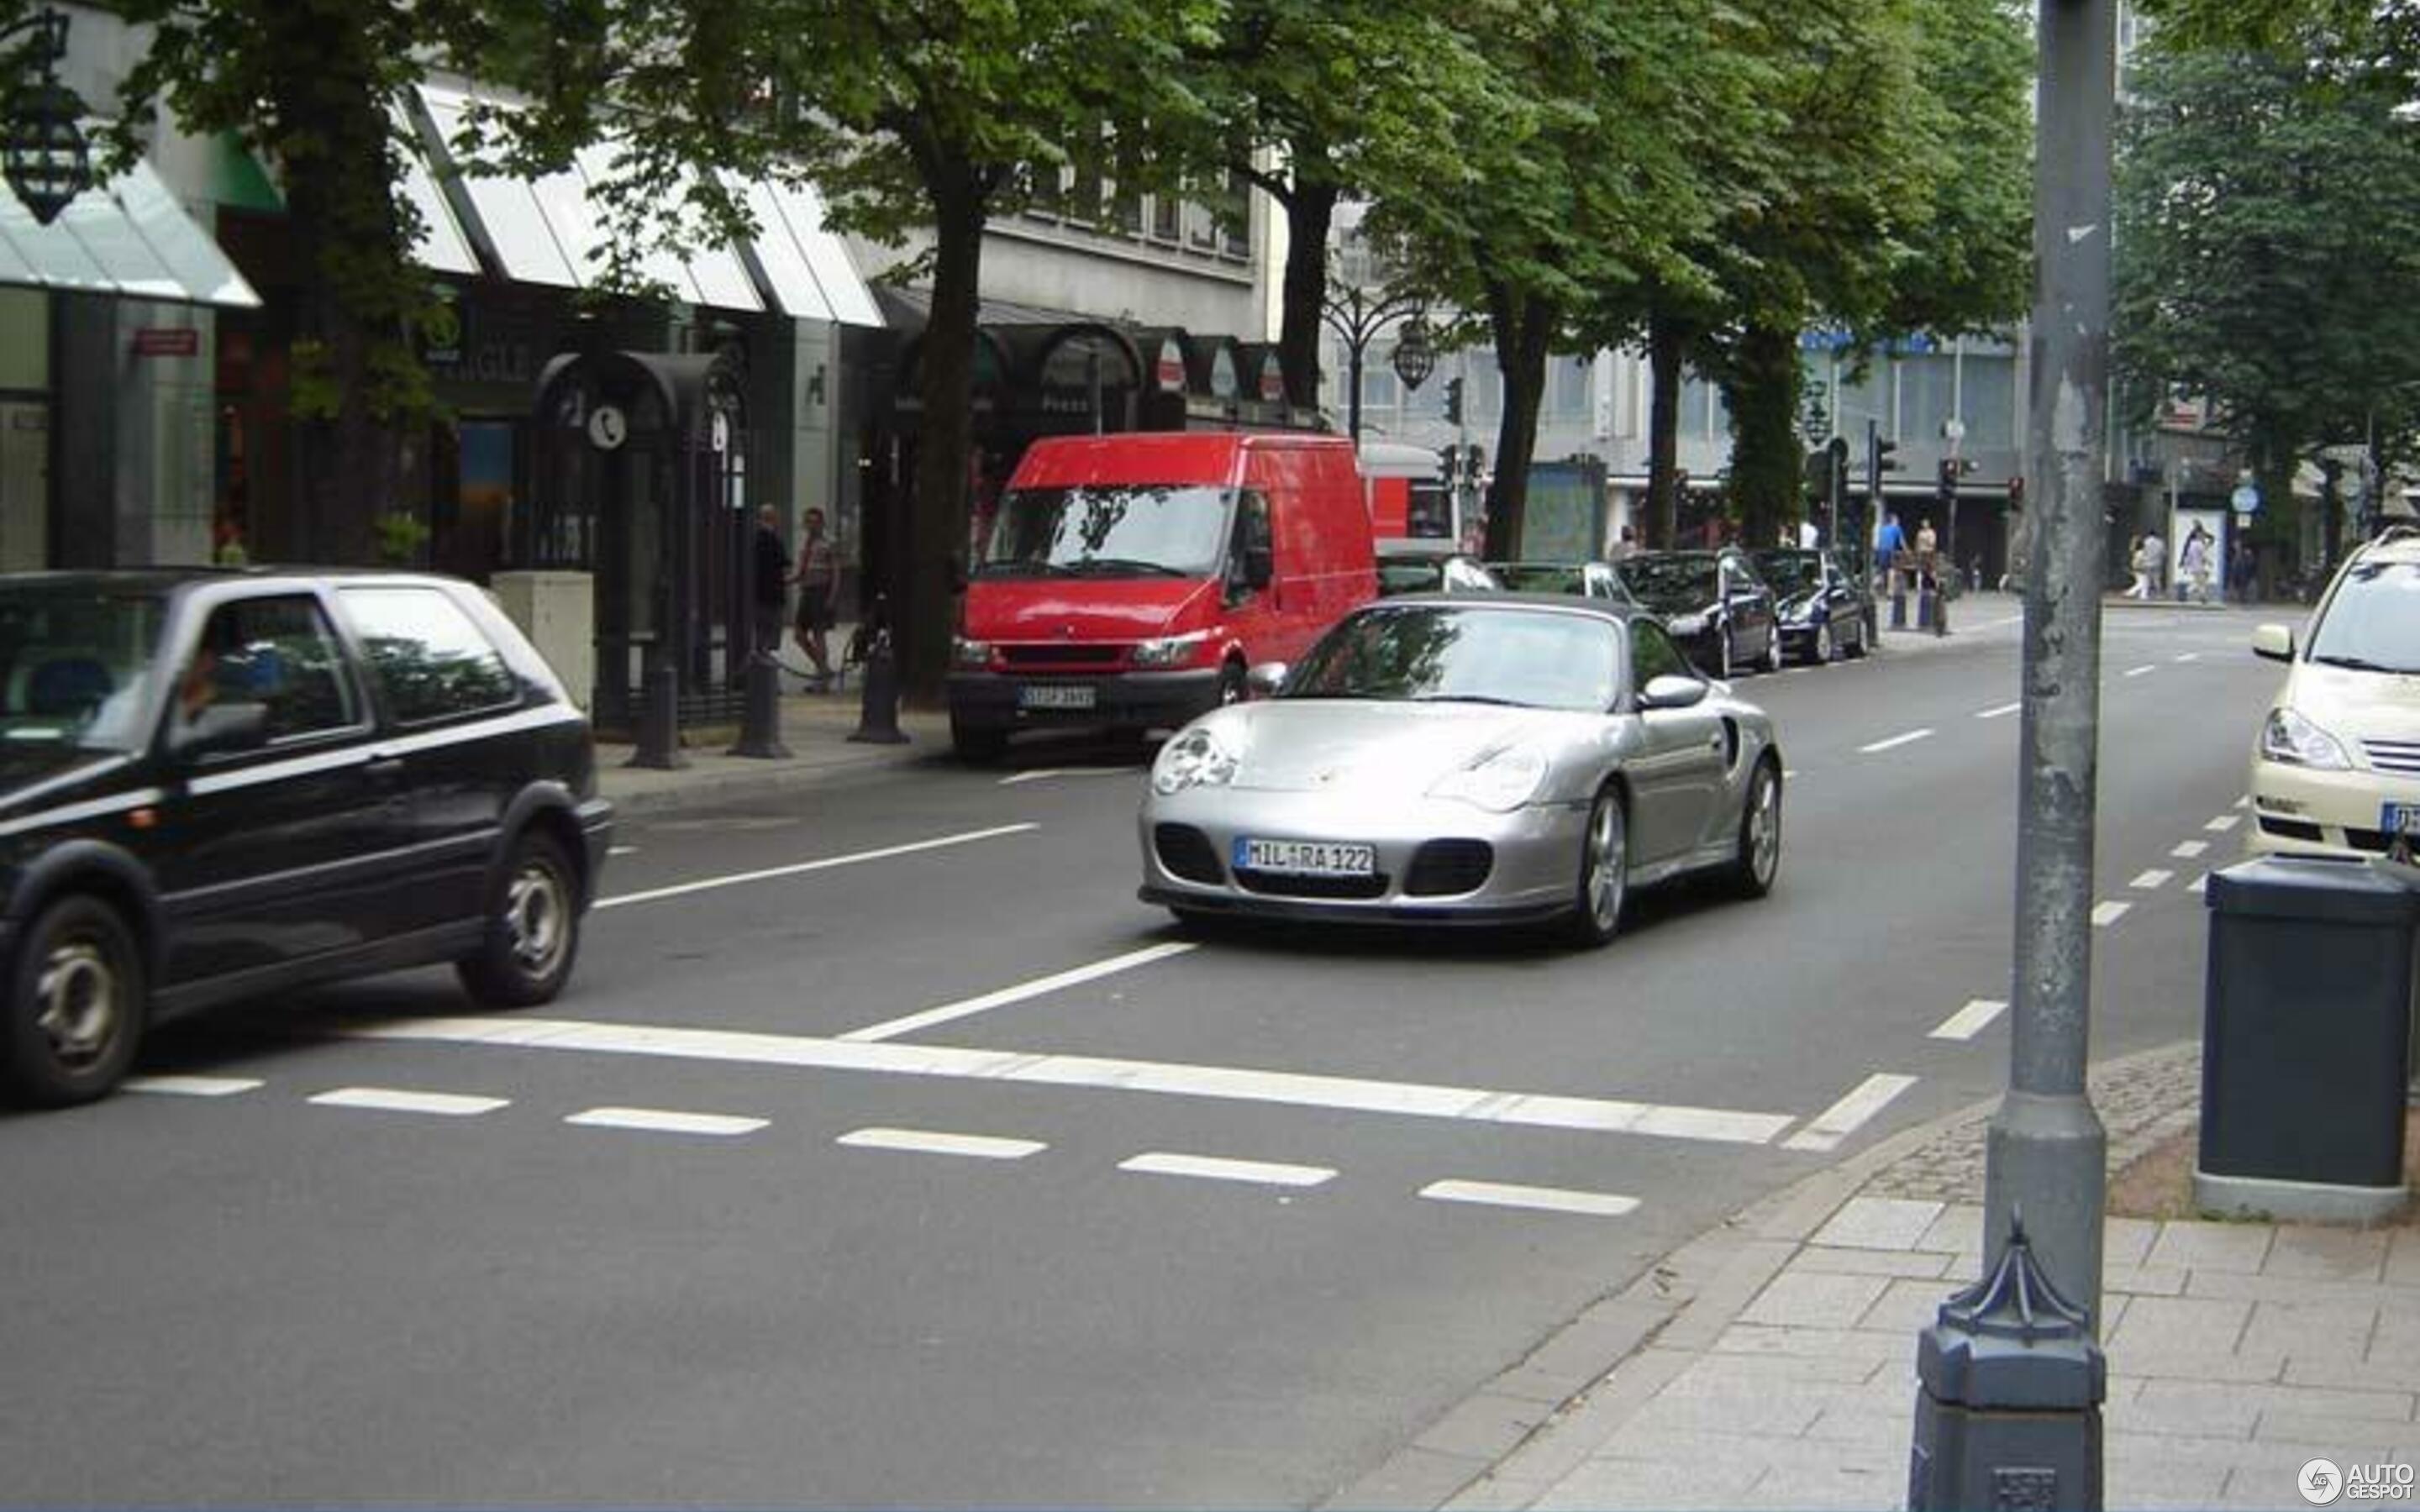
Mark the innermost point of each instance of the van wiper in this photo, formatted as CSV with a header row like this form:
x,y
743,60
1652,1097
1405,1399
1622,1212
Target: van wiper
x,y
1021,569
1128,565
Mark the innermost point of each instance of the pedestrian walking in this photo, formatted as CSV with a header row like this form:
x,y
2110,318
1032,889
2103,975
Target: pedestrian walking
x,y
2138,562
2243,570
2196,563
2155,567
818,580
1888,542
772,580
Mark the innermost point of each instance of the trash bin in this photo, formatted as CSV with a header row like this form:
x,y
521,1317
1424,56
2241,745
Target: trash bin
x,y
2306,1033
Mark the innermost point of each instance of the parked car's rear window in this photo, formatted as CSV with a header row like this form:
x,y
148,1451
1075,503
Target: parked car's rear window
x,y
431,658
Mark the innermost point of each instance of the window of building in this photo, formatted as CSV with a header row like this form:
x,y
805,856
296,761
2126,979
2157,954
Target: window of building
x,y
430,659
1864,396
1570,384
1235,217
1167,217
1927,394
1988,382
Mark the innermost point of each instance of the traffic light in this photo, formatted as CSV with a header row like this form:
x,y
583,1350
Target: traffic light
x,y
1450,456
1947,489
1453,401
1886,455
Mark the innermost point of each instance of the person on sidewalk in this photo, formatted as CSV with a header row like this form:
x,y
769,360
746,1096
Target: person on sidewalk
x,y
2243,571
2193,584
2138,562
772,580
2156,550
818,580
1888,542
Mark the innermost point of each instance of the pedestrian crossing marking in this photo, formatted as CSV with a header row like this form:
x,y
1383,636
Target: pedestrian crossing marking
x,y
1213,1168
2106,914
2153,877
2188,849
395,1100
1970,1021
1827,1129
659,1120
1535,1198
929,1142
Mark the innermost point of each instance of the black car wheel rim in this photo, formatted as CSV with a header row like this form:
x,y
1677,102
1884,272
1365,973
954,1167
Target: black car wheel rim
x,y
79,1001
1607,875
1822,643
1764,826
537,918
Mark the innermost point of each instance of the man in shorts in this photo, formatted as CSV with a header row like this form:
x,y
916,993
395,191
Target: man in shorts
x,y
818,580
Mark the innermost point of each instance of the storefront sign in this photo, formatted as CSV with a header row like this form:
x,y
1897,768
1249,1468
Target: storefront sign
x,y
168,341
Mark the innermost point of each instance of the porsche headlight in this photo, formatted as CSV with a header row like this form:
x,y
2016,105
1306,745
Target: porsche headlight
x,y
1169,651
1686,625
2294,741
969,653
1499,782
1197,758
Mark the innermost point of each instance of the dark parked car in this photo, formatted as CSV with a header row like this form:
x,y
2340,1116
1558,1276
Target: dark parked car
x,y
1825,610
1716,605
214,785
1589,579
1419,564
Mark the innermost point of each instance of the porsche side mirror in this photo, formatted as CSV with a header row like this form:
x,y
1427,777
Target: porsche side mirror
x,y
1673,691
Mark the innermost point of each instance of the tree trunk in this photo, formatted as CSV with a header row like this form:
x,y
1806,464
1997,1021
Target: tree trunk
x,y
1762,389
1524,328
1668,348
1308,214
925,615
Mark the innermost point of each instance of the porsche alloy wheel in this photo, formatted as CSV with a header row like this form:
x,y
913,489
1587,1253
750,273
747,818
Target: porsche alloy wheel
x,y
1605,873
1758,858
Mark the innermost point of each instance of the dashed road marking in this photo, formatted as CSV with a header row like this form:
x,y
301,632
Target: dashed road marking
x,y
395,1100
1536,1199
1418,1099
2188,655
2243,802
1910,738
1842,1118
1041,772
1971,1020
191,1086
2200,884
967,1007
2224,822
2152,878
2106,914
1213,1168
661,1120
1998,712
2187,849
621,849
930,1142
2137,672
739,879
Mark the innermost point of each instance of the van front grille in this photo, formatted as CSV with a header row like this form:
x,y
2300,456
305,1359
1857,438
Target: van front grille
x,y
1072,654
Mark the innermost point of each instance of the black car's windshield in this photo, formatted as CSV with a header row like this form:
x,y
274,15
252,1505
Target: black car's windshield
x,y
75,660
1789,572
1673,583
1535,658
1539,578
2373,622
1125,531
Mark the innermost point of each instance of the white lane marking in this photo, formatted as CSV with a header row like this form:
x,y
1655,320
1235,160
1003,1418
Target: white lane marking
x,y
1971,1020
2152,877
1842,1118
1790,773
2243,802
659,1120
742,878
1039,772
190,1086
2200,884
395,1100
2223,824
1415,1100
1895,740
1036,988
2188,655
2001,711
1538,1199
2106,914
928,1142
621,849
2137,672
2187,849
1212,1168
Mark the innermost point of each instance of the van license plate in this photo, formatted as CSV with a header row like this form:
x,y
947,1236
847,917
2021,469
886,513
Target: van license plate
x,y
2400,819
1307,857
1055,696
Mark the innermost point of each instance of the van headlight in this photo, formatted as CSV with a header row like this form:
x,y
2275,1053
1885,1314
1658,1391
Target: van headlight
x,y
1169,649
1499,782
972,655
1197,758
2291,740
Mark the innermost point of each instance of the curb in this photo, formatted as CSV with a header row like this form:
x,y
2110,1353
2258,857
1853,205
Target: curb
x,y
1520,1433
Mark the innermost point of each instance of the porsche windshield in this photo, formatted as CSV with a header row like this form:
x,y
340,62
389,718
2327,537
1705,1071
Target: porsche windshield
x,y
1110,530
74,664
1422,654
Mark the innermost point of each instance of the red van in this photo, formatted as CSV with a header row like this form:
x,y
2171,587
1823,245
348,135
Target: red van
x,y
1129,580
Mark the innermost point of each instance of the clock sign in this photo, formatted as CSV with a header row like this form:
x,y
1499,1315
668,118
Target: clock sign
x,y
608,427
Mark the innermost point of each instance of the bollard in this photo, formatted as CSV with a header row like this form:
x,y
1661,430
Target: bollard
x,y
877,717
1940,610
1898,603
760,721
2007,1414
658,742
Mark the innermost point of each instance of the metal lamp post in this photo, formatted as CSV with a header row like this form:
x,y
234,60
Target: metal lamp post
x,y
1357,315
44,153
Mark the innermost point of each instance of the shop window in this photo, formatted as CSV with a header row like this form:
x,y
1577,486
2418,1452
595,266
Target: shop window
x,y
471,508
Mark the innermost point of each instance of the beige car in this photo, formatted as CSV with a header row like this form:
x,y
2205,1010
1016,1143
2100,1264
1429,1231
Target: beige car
x,y
2336,768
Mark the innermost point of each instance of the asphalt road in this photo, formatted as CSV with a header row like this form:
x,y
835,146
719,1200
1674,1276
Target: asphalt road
x,y
887,1151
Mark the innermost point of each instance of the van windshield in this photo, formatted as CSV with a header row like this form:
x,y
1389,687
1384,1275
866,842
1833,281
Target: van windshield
x,y
1172,529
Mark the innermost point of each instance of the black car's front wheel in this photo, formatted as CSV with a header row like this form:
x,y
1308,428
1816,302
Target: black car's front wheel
x,y
533,929
1605,873
1773,648
1827,649
77,1007
1757,860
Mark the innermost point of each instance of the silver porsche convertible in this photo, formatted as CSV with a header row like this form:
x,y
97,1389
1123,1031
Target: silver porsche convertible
x,y
1484,760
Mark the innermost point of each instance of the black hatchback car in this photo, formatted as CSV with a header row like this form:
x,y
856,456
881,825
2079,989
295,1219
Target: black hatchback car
x,y
1713,603
218,784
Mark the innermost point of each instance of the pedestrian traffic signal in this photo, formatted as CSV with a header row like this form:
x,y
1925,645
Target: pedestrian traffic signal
x,y
1453,400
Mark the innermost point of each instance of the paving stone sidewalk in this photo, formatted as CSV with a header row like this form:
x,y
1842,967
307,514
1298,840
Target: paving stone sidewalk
x,y
1770,1363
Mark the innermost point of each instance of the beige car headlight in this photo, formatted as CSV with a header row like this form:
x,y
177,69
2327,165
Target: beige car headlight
x,y
2291,740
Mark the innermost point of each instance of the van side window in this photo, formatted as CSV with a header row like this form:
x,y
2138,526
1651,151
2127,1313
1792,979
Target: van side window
x,y
1252,532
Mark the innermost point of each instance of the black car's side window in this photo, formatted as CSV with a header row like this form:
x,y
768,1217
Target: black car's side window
x,y
277,653
1652,654
431,659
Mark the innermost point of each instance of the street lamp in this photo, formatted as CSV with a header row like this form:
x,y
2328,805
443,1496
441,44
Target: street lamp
x,y
43,154
1357,315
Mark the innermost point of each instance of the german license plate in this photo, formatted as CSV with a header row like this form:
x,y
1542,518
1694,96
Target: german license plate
x,y
1055,695
2400,818
1307,857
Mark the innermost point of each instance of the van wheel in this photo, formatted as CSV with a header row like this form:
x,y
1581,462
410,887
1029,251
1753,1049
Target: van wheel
x,y
1231,688
533,929
983,744
76,1006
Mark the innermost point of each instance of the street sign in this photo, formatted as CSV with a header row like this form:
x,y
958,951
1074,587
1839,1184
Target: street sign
x,y
2246,499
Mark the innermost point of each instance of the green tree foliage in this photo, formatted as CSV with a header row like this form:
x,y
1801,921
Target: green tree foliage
x,y
2268,249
